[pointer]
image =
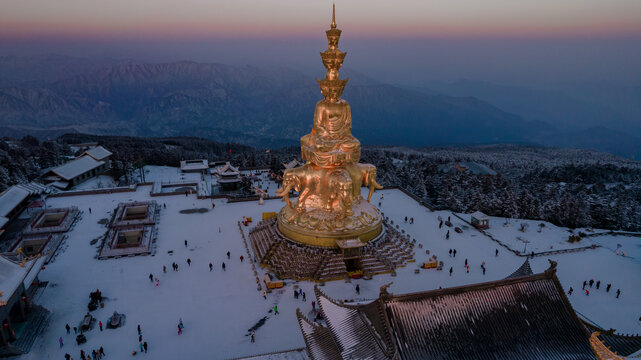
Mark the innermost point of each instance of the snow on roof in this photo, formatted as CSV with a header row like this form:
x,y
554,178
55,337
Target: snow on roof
x,y
11,276
479,216
77,167
199,164
292,164
34,271
98,153
3,221
60,184
11,198
227,170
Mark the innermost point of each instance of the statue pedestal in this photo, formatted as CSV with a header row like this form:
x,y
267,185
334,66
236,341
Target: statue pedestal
x,y
321,228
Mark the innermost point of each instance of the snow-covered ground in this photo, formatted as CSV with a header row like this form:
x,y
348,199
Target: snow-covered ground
x,y
219,307
534,237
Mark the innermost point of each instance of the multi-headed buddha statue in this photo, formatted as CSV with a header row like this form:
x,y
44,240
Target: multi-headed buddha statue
x,y
330,206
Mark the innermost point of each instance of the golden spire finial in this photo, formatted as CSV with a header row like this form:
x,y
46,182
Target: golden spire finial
x,y
333,16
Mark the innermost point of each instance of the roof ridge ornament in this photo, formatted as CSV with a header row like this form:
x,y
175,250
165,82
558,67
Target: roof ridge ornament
x,y
384,294
552,269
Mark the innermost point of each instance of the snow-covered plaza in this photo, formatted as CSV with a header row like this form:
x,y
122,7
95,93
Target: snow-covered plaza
x,y
219,307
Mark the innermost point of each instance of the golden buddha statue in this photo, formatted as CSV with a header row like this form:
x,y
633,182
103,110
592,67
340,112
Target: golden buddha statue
x,y
330,206
331,142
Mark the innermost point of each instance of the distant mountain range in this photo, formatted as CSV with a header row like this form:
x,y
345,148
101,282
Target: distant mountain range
x,y
49,95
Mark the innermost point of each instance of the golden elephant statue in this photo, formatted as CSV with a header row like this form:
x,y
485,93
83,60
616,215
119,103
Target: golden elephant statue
x,y
363,174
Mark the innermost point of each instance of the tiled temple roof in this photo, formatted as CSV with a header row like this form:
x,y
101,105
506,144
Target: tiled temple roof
x,y
520,318
318,339
625,345
354,331
526,317
523,270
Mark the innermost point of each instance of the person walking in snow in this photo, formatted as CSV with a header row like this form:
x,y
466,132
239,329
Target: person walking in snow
x,y
598,284
618,293
406,219
314,305
607,288
139,338
188,261
591,282
164,269
276,309
264,294
94,353
295,294
144,345
440,224
151,277
101,351
60,341
185,243
180,330
358,290
100,325
454,252
211,266
228,255
450,252
451,269
241,258
304,299
68,328
139,332
142,348
584,284
253,335
447,236
157,282
224,267
465,261
67,356
496,252
571,291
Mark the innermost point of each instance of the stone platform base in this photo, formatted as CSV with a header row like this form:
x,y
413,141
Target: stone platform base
x,y
289,259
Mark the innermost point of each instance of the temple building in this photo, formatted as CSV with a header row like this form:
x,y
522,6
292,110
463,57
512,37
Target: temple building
x,y
227,176
75,172
199,165
20,319
98,153
520,317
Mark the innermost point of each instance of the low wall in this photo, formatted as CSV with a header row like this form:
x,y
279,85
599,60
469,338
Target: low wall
x,y
131,188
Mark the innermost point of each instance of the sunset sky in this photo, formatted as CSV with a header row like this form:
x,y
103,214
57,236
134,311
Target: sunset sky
x,y
524,42
363,18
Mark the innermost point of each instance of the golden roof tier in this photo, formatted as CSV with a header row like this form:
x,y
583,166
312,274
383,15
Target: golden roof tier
x,y
330,206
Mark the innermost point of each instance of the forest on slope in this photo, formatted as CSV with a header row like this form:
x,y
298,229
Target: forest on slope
x,y
567,187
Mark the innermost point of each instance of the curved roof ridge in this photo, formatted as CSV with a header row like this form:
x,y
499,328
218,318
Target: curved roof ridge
x,y
524,270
